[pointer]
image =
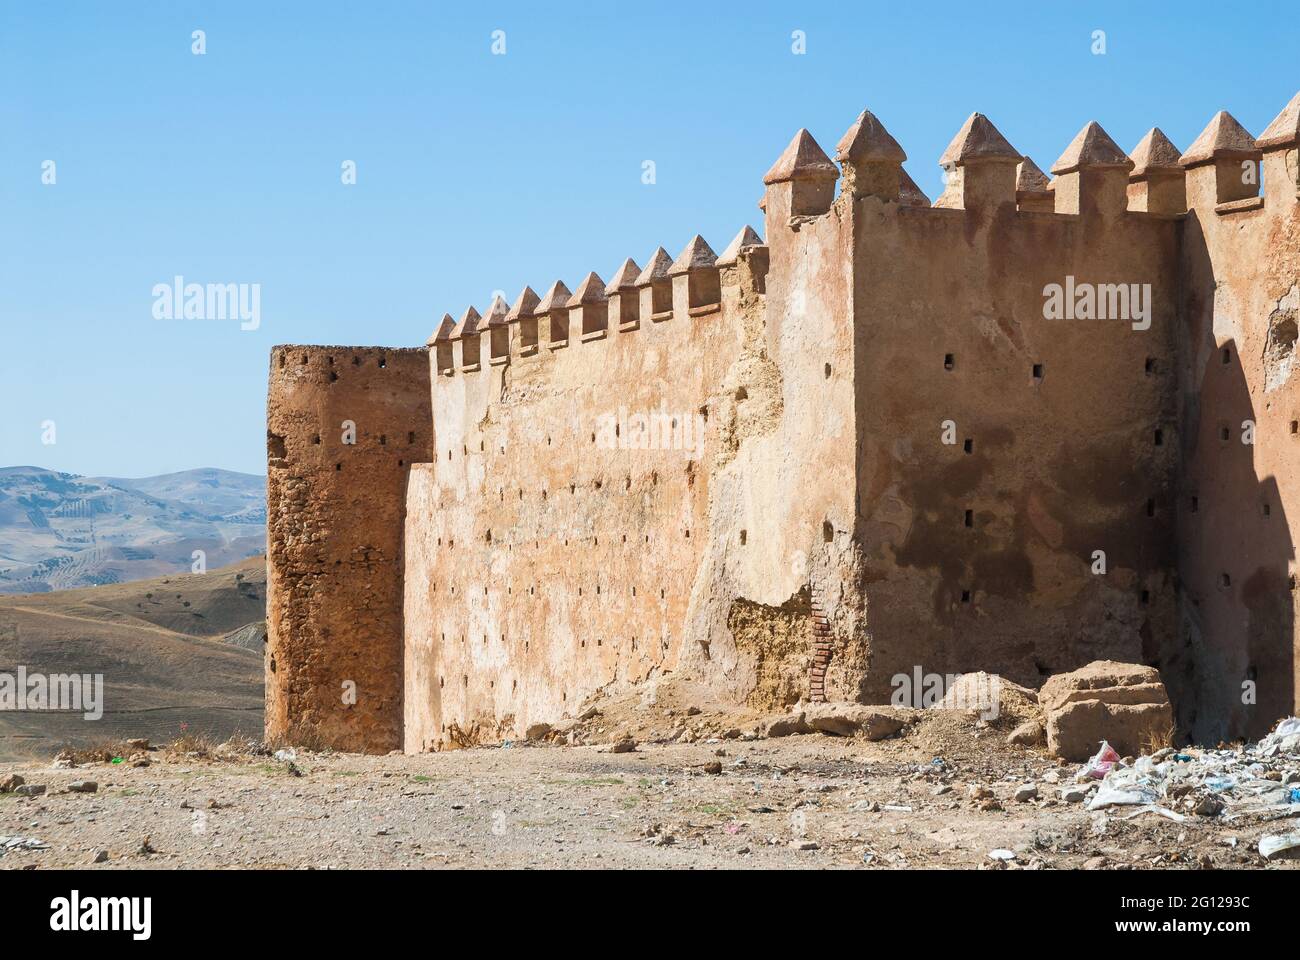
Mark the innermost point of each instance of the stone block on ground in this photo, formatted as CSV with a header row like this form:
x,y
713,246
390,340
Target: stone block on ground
x,y
1125,704
847,719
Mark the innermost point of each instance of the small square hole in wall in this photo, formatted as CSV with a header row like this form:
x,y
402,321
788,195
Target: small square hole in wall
x,y
1150,366
949,361
1038,372
1151,508
965,596
1159,438
828,532
1225,580
1227,356
1145,596
828,371
1295,427
743,537
1267,511
1291,582
970,518
1224,434
1196,504
969,446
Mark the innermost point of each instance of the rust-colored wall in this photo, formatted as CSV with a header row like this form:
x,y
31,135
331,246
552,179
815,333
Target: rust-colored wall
x,y
335,517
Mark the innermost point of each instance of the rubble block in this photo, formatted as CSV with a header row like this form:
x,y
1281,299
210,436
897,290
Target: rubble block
x,y
854,720
1125,704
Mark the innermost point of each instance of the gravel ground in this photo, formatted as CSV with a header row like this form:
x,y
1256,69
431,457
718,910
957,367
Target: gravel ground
x,y
804,801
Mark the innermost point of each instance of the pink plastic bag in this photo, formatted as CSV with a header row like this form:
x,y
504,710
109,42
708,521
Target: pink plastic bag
x,y
1100,765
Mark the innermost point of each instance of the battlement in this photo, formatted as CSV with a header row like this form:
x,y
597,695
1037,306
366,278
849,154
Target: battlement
x,y
689,287
998,431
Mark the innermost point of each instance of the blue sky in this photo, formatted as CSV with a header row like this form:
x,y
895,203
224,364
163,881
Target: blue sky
x,y
475,172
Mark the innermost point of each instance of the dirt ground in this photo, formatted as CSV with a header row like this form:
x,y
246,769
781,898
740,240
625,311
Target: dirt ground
x,y
805,801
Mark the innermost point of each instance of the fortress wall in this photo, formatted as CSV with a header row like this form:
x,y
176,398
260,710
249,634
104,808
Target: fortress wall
x,y
981,558
544,560
335,516
1241,270
787,476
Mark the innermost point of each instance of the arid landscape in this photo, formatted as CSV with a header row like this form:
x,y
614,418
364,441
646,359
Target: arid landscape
x,y
179,654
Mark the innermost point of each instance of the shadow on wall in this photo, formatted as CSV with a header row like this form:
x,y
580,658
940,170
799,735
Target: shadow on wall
x,y
1237,614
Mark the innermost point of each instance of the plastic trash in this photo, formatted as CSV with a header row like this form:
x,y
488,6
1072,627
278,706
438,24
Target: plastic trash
x,y
1111,796
1102,763
1275,844
289,755
22,843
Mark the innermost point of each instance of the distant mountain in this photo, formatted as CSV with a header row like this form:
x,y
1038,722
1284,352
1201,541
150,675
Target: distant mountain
x,y
59,531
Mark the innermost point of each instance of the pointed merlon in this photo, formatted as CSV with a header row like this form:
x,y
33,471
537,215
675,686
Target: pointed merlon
x,y
496,313
909,194
525,305
1030,179
443,333
1155,153
803,159
1222,139
657,269
978,140
556,298
867,141
1284,131
746,238
591,290
697,256
1091,149
468,325
624,278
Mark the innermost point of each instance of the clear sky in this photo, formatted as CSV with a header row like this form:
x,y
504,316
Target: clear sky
x,y
475,171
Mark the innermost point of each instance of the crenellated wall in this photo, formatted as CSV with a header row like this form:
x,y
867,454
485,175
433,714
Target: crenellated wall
x,y
334,548
1003,432
555,542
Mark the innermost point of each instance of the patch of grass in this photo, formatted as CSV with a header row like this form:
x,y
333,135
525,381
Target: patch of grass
x,y
273,769
347,773
421,778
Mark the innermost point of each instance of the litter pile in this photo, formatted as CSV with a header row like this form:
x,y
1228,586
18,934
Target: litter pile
x,y
1259,781
21,843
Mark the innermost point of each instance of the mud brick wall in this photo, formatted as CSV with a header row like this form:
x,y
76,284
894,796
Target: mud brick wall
x,y
1062,440
335,515
1239,508
552,551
